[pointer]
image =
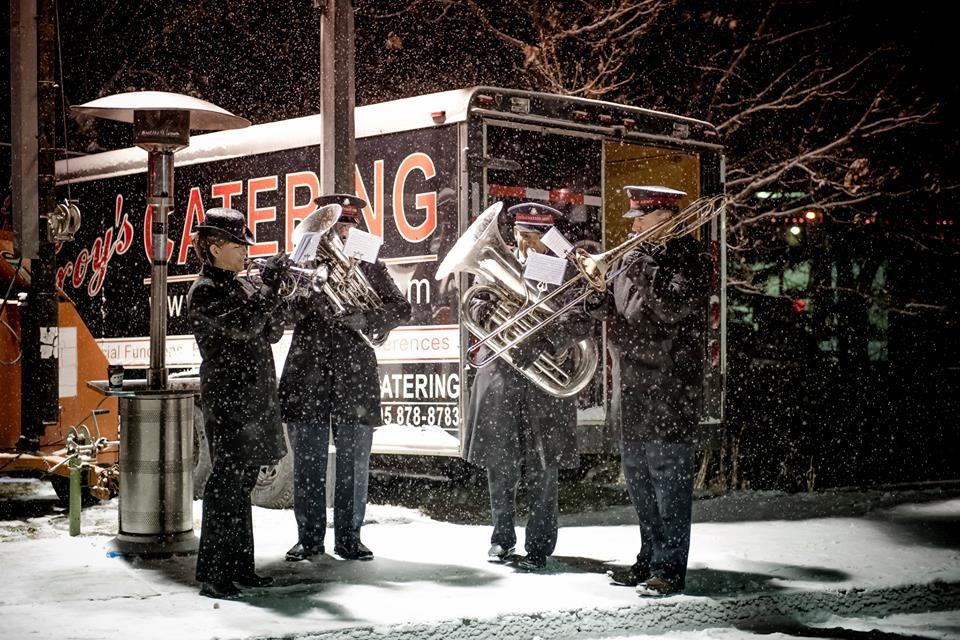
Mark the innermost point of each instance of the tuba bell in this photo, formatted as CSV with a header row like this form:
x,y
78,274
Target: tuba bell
x,y
482,252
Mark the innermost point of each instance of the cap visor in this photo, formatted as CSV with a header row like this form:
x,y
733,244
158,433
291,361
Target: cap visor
x,y
528,228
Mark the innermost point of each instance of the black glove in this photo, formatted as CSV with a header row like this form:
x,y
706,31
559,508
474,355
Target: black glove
x,y
482,310
524,354
595,305
273,269
673,257
356,321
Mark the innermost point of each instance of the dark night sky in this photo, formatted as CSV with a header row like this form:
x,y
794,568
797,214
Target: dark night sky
x,y
260,65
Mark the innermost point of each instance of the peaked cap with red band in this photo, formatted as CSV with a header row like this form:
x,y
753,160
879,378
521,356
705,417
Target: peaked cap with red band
x,y
647,199
351,205
533,216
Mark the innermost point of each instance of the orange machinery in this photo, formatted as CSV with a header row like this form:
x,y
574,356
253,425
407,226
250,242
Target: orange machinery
x,y
85,416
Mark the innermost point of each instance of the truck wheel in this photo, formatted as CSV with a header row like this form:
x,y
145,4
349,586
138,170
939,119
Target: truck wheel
x,y
274,489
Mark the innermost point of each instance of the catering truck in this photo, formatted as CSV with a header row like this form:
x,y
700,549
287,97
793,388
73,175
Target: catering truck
x,y
426,166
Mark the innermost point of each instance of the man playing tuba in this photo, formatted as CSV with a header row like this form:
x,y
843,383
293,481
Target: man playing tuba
x,y
330,381
512,424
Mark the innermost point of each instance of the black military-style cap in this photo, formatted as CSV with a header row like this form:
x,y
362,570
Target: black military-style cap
x,y
351,205
533,216
226,223
647,199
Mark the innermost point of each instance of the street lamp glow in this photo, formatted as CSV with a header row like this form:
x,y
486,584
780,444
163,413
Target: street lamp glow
x,y
795,230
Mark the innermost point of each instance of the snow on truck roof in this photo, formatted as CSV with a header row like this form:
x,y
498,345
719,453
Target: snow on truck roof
x,y
405,114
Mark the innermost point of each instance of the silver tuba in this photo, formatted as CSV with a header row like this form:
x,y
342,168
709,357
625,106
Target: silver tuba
x,y
482,252
346,287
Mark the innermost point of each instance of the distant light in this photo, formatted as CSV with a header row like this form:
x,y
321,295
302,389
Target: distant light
x,y
795,230
763,195
810,215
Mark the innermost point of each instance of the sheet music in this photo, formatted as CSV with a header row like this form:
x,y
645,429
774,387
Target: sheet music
x,y
306,249
362,245
556,242
543,268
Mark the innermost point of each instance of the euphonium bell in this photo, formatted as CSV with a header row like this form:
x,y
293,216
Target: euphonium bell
x,y
481,251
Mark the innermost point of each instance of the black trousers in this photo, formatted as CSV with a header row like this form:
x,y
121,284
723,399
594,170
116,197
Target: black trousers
x,y
659,479
310,441
540,537
226,533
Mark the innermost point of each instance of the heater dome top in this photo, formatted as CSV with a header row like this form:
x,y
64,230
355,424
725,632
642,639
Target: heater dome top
x,y
204,116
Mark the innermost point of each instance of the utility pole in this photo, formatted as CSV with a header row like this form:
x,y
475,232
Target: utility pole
x,y
337,96
33,111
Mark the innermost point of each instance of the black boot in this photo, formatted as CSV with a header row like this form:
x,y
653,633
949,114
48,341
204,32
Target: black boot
x,y
303,552
222,590
253,581
353,551
630,576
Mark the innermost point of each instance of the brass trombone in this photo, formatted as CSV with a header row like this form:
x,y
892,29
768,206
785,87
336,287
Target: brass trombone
x,y
594,270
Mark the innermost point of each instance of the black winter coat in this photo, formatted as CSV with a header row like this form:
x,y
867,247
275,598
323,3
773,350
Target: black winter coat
x,y
509,416
330,370
657,314
234,325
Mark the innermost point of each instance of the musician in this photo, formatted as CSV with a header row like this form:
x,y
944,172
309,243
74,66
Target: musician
x,y
512,425
234,324
656,314
330,381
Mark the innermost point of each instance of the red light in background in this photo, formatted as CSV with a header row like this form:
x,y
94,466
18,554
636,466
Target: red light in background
x,y
799,305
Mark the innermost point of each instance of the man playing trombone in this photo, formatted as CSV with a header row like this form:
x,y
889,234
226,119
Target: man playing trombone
x,y
330,381
512,424
656,312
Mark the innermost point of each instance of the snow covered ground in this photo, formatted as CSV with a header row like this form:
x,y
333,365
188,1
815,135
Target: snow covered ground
x,y
827,565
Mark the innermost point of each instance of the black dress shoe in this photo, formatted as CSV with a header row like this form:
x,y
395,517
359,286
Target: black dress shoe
x,y
657,587
533,562
222,590
353,551
497,553
253,581
629,576
300,552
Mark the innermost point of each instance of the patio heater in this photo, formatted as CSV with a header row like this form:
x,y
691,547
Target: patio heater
x,y
156,422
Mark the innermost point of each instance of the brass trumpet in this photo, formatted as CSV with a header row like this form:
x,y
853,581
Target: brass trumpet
x,y
595,271
307,276
297,281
